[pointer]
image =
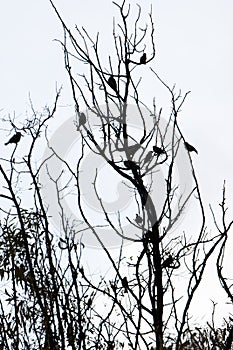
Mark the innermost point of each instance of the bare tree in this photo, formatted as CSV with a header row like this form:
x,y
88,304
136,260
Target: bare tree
x,y
51,299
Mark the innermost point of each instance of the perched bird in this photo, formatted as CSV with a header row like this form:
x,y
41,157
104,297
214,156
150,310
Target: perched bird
x,y
82,119
148,157
158,150
143,59
138,219
89,302
129,164
190,148
125,284
112,83
168,262
14,139
113,286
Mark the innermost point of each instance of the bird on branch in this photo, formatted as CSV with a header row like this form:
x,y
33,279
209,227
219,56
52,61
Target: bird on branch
x,y
158,150
82,119
112,83
129,164
168,261
138,219
15,138
171,263
143,59
89,302
190,148
125,284
148,157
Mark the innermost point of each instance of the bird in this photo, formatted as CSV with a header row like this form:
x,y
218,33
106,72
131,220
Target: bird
x,y
82,119
190,148
129,164
168,262
112,83
158,150
14,139
148,157
89,302
125,284
143,59
138,219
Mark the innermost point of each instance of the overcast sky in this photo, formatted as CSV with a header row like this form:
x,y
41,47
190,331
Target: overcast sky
x,y
194,50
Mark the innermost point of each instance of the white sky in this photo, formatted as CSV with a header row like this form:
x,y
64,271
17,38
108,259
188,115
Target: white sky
x,y
194,50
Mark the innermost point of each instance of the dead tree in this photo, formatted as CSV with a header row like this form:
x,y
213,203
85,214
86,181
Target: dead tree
x,y
151,287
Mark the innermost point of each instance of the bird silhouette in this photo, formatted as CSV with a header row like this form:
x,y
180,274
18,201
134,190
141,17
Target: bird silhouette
x,y
14,139
125,284
112,83
129,164
190,148
143,59
89,302
138,219
168,262
82,119
148,157
158,150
